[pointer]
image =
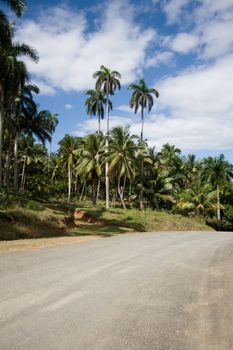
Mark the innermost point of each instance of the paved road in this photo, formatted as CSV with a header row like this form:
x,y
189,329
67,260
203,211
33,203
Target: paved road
x,y
141,291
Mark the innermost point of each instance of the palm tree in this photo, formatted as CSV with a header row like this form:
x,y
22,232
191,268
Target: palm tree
x,y
31,155
95,104
108,81
122,157
68,150
199,198
24,108
159,188
143,97
52,124
12,70
219,173
18,7
91,161
190,169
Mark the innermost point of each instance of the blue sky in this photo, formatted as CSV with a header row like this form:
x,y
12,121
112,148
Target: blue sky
x,y
183,48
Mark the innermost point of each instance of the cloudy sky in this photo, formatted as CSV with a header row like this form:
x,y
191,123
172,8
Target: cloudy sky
x,y
184,48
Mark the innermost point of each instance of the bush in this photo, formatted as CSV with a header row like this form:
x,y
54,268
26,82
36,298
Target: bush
x,y
227,220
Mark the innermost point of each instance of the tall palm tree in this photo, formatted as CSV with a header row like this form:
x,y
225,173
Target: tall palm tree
x,y
91,161
122,157
108,81
142,97
95,103
52,121
23,108
219,173
9,70
18,7
68,150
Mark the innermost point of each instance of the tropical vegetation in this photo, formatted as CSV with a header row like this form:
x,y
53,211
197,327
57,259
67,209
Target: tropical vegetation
x,y
114,167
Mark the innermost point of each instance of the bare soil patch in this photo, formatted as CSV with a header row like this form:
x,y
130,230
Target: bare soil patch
x,y
27,244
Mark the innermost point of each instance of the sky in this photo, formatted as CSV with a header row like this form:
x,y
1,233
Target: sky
x,y
183,48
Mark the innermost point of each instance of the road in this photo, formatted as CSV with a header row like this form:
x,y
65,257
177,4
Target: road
x,y
154,291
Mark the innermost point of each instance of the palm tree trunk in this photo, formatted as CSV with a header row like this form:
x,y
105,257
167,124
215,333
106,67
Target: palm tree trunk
x,y
123,188
50,148
1,130
98,191
8,160
130,190
69,181
218,208
94,191
83,189
16,175
49,155
106,150
23,173
76,184
98,124
142,123
142,170
120,192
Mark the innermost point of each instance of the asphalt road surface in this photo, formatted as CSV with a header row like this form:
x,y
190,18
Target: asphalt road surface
x,y
140,291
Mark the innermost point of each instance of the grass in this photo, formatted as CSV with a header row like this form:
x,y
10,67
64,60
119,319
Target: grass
x,y
37,220
147,220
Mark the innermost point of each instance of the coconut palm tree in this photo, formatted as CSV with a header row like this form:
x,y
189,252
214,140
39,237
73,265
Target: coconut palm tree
x,y
31,157
142,97
68,151
95,103
91,161
199,198
107,81
122,157
218,172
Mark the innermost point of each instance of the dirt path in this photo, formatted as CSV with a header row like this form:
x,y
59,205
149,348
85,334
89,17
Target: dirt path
x,y
26,244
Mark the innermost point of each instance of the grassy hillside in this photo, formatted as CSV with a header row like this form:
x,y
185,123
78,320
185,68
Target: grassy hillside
x,y
148,220
55,220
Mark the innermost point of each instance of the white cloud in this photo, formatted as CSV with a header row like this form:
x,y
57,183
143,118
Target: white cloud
x,y
216,37
184,42
174,8
164,57
68,106
45,89
91,125
124,108
69,54
208,9
209,24
201,108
